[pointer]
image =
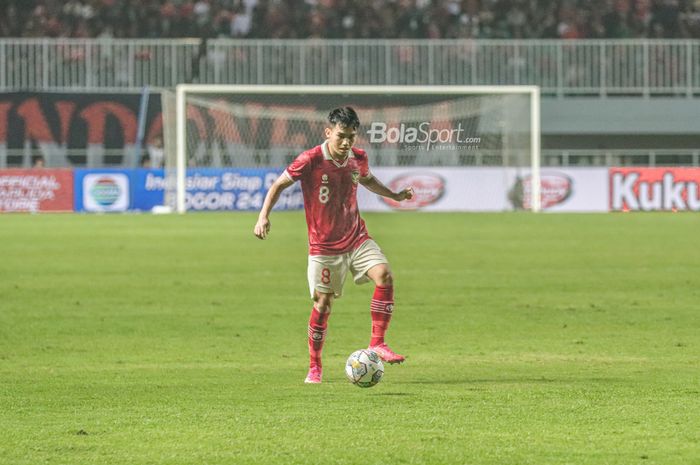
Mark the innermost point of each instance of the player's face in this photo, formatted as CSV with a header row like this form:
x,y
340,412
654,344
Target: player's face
x,y
340,140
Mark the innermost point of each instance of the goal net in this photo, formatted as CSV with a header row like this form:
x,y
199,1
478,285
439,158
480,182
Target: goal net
x,y
219,126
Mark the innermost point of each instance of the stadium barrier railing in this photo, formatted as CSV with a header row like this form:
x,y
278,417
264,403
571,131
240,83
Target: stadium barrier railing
x,y
559,67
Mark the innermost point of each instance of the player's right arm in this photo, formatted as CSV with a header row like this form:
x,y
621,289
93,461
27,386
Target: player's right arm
x,y
294,172
262,227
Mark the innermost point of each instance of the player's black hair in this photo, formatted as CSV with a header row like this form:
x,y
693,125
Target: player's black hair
x,y
344,116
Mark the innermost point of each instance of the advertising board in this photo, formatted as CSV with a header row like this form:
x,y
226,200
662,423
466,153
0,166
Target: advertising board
x,y
654,189
490,189
35,190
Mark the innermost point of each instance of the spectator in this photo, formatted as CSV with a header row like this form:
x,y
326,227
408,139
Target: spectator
x,y
38,161
156,153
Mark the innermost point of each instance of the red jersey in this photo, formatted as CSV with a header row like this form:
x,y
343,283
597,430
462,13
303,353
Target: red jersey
x,y
330,199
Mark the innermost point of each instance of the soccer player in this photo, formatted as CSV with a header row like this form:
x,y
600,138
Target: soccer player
x,y
338,238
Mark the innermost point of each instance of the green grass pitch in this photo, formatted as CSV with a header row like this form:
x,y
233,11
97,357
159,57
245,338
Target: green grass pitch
x,y
531,339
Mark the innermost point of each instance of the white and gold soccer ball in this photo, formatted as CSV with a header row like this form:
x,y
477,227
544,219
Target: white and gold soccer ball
x,y
364,368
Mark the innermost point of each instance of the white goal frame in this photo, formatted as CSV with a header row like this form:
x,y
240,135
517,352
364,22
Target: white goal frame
x,y
181,116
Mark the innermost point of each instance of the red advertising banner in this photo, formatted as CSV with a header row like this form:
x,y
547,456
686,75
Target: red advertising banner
x,y
654,189
36,190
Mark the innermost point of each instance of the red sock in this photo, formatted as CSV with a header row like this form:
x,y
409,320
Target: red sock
x,y
317,335
382,307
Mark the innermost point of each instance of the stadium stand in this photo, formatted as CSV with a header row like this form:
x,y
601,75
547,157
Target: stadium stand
x,y
408,19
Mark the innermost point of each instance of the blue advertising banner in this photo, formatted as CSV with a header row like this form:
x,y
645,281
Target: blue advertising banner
x,y
148,188
216,189
207,189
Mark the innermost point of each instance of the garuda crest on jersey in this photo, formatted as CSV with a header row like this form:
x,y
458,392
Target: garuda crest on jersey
x,y
355,176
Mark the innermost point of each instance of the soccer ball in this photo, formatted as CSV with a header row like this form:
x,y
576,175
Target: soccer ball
x,y
364,368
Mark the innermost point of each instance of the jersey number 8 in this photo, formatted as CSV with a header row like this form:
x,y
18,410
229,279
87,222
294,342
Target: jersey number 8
x,y
323,194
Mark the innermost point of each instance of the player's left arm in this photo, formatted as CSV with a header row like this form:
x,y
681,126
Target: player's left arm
x,y
376,186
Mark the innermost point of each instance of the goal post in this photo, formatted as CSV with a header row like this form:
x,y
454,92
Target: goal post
x,y
250,126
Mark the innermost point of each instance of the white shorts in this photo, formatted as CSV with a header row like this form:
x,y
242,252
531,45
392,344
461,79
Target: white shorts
x,y
327,272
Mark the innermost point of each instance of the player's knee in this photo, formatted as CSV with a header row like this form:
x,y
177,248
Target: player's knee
x,y
323,302
385,278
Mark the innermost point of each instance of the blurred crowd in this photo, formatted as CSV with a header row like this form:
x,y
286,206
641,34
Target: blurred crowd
x,y
485,19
